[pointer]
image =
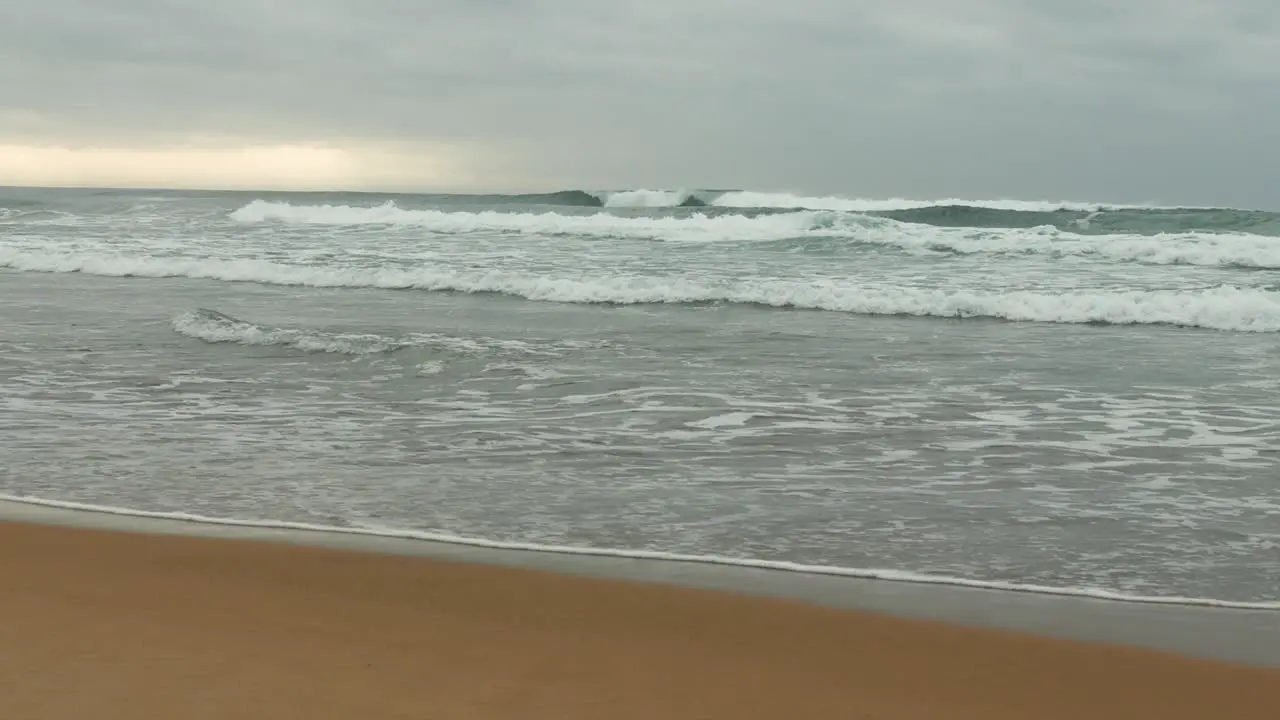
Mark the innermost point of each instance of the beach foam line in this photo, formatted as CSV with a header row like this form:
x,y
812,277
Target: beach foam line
x,y
900,576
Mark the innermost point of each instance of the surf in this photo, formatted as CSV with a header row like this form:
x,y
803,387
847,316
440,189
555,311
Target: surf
x,y
1225,307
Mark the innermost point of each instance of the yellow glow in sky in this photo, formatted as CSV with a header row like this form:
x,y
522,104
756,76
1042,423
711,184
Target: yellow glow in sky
x,y
276,167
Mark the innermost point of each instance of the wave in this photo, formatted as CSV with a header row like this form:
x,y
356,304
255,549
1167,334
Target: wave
x,y
601,225
946,212
214,327
652,199
1220,308
890,575
1231,250
1238,250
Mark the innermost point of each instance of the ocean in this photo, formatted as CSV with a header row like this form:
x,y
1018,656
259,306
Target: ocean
x,y
1055,397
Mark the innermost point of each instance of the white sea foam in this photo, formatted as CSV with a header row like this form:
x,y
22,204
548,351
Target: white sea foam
x,y
645,198
1221,308
865,573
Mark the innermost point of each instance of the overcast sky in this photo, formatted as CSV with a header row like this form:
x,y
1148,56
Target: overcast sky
x,y
1116,100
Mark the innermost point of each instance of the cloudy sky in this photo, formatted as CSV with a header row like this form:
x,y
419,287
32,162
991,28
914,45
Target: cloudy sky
x,y
1142,100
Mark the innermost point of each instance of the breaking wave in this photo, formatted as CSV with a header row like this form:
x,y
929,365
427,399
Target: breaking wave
x,y
601,225
1207,249
651,199
1219,308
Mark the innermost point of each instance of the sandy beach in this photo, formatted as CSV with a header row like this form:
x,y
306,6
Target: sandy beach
x,y
121,625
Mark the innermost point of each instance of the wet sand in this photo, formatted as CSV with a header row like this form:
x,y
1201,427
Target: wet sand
x,y
108,624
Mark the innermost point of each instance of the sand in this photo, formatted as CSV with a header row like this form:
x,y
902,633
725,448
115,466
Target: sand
x,y
107,625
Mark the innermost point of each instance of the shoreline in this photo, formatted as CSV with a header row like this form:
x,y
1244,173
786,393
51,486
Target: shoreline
x,y
884,575
1236,635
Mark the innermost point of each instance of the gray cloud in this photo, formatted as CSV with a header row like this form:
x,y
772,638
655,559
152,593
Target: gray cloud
x,y
1169,100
